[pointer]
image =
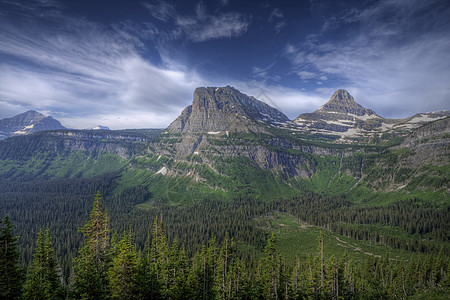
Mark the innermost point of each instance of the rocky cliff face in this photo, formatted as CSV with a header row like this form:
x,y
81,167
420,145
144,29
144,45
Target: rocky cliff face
x,y
429,143
27,123
223,124
225,110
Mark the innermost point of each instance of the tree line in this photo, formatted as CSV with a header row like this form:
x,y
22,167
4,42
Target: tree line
x,y
63,205
111,266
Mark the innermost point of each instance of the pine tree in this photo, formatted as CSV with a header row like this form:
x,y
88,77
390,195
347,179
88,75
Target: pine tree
x,y
201,279
43,279
298,284
149,286
124,272
178,272
225,271
11,274
160,256
272,272
90,279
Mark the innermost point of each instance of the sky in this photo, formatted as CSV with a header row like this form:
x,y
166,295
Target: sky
x,y
135,64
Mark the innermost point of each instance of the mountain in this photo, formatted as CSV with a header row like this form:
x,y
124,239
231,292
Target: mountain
x,y
348,121
101,127
27,123
231,165
225,109
229,145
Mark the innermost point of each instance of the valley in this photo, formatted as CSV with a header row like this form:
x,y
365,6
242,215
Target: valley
x,y
231,165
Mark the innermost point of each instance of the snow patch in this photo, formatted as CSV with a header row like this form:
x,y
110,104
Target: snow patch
x,y
196,153
25,130
163,171
213,132
424,118
365,117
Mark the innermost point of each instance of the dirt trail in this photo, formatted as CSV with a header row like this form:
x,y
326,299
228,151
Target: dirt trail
x,y
355,248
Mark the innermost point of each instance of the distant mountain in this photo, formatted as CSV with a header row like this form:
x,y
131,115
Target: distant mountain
x,y
101,127
27,123
222,109
344,118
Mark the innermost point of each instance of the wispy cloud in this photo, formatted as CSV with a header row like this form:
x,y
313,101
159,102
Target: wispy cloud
x,y
290,101
201,25
85,73
162,11
305,75
210,27
277,17
399,54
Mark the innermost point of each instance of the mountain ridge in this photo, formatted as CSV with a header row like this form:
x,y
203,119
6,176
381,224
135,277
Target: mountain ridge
x,y
233,157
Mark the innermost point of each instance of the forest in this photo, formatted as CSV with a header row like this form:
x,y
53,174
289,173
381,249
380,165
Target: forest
x,y
112,265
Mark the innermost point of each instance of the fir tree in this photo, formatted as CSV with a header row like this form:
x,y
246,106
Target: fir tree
x,y
149,287
11,274
43,279
90,279
124,272
272,272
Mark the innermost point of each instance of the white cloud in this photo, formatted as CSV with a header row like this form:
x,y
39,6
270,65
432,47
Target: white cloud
x,y
398,62
162,11
305,75
276,14
200,26
204,27
85,73
289,101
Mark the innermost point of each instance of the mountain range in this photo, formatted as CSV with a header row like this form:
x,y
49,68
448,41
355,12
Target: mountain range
x,y
227,145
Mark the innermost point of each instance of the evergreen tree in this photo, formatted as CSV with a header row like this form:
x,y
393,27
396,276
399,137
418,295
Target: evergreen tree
x,y
90,279
201,279
149,287
298,284
11,274
178,272
43,279
160,256
124,272
272,272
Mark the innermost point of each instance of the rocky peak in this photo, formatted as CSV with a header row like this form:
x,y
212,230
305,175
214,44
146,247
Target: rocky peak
x,y
343,102
26,123
217,109
29,117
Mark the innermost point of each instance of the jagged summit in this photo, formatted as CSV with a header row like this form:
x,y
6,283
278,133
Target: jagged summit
x,y
26,123
216,109
343,102
343,116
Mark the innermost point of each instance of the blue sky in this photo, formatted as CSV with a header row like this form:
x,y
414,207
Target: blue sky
x,y
135,64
